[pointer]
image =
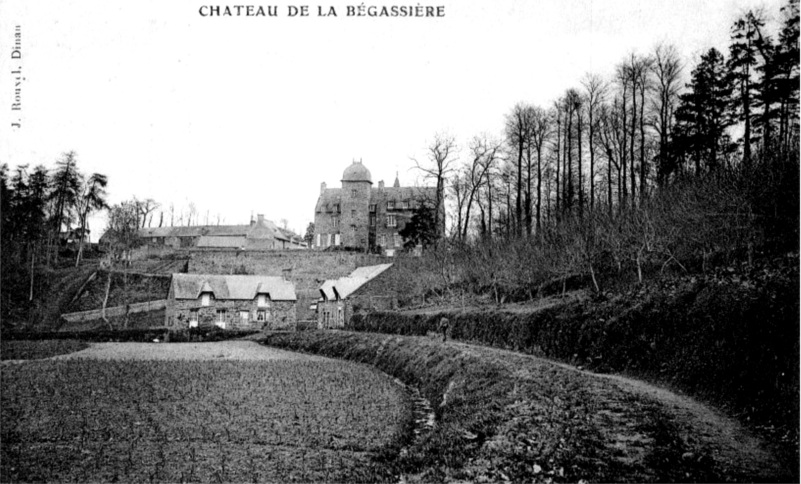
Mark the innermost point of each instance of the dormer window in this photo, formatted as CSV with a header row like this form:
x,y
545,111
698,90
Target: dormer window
x,y
262,301
205,299
391,205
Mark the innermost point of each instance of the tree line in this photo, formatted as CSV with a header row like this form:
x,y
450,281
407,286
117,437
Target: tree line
x,y
611,143
651,162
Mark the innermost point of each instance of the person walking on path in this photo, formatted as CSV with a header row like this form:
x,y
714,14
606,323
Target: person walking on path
x,y
443,328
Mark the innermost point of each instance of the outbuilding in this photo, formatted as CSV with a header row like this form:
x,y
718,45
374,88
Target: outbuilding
x,y
365,289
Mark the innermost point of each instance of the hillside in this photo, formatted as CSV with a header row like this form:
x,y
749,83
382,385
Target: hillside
x,y
729,337
503,416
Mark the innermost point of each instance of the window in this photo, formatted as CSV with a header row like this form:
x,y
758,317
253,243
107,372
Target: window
x,y
243,316
193,318
372,208
336,208
398,240
261,315
382,241
353,193
262,301
405,205
336,222
318,240
328,240
391,205
391,221
221,315
205,299
337,240
372,220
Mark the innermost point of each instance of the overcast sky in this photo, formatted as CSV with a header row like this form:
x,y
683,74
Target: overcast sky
x,y
244,115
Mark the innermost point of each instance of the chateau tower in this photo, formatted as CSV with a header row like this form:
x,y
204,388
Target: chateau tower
x,y
356,185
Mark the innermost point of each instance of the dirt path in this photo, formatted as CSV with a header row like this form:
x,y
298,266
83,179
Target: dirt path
x,y
707,438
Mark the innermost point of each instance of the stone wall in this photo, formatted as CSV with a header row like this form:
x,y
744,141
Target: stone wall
x,y
281,315
380,294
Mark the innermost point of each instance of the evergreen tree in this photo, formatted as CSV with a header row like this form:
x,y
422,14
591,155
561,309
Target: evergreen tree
x,y
93,198
704,115
787,79
421,229
742,65
66,184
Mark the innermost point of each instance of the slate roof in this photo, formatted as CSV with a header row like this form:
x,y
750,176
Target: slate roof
x,y
189,286
216,241
400,194
343,287
328,198
212,235
332,196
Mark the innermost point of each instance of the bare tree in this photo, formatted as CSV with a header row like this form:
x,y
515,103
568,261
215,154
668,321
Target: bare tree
x,y
518,132
557,108
441,154
483,152
623,79
595,92
572,105
541,129
144,208
192,213
666,70
458,187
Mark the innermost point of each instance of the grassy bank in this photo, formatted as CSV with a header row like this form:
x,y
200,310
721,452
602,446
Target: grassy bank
x,y
729,337
507,416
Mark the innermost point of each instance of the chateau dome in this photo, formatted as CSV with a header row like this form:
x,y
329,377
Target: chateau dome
x,y
356,172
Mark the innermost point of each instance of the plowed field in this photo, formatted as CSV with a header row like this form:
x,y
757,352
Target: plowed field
x,y
213,412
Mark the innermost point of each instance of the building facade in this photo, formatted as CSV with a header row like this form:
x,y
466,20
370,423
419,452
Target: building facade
x,y
359,215
260,234
230,302
365,289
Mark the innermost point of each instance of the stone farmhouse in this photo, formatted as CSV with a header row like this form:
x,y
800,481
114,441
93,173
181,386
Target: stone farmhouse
x,y
260,234
361,216
231,302
363,290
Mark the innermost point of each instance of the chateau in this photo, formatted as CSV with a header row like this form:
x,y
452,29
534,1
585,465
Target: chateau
x,y
361,216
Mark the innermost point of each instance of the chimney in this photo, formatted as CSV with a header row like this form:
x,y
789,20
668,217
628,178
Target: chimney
x,y
252,222
381,184
322,188
260,220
